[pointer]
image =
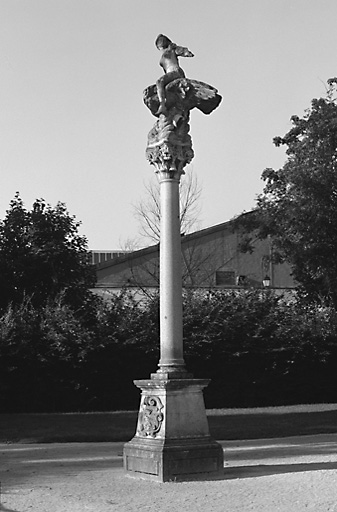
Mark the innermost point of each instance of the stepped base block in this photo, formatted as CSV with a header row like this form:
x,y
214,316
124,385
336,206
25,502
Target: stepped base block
x,y
172,442
181,461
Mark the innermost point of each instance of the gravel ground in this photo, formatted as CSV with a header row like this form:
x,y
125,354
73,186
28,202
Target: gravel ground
x,y
288,475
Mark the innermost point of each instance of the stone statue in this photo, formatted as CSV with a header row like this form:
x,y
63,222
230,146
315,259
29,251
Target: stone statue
x,y
170,64
170,100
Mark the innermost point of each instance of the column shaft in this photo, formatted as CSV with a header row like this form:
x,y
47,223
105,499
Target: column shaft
x,y
171,319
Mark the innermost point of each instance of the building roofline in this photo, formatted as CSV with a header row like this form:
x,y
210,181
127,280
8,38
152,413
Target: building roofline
x,y
155,248
128,256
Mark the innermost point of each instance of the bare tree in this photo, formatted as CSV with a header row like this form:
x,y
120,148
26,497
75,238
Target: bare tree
x,y
147,210
129,244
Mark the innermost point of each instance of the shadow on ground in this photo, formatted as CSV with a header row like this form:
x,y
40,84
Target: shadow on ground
x,y
5,509
27,465
304,446
242,472
121,426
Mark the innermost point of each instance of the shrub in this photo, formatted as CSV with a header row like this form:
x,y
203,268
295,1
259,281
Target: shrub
x,y
257,349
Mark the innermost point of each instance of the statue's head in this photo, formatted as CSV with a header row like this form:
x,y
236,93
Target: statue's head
x,y
162,41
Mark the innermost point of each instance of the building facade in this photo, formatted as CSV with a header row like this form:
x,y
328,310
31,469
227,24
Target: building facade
x,y
211,258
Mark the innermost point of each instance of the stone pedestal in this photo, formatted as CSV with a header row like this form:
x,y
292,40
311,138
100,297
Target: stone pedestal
x,y
172,441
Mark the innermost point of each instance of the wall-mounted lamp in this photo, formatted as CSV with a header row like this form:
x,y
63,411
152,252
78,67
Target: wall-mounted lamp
x,y
266,282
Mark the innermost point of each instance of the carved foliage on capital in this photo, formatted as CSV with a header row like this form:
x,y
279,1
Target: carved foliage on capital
x,y
150,417
169,146
169,158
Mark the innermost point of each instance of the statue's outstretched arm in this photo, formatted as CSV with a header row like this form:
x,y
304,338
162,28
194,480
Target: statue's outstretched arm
x,y
181,51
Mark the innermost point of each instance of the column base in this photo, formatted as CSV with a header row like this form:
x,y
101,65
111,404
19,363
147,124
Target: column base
x,y
172,441
169,374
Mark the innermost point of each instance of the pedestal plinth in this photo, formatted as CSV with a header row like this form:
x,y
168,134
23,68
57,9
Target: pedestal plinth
x,y
172,440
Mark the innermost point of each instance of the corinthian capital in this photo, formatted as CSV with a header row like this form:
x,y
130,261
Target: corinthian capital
x,y
169,146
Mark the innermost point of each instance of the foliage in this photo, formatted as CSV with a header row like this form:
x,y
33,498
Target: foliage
x,y
42,351
257,348
298,206
260,349
41,254
126,347
53,359
232,325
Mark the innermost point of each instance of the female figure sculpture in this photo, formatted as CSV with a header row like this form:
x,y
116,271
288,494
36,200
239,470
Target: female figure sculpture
x,y
170,100
170,64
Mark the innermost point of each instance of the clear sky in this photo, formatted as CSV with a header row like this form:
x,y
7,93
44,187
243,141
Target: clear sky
x,y
73,126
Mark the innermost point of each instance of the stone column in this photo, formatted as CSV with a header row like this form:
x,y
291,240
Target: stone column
x,y
172,441
171,316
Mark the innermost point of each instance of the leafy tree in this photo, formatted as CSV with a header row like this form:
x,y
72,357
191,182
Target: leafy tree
x,y
298,206
42,254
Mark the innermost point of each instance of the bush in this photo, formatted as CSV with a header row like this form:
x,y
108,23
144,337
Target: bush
x,y
55,359
41,355
257,349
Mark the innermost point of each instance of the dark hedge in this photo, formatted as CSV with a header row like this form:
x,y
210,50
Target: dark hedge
x,y
257,348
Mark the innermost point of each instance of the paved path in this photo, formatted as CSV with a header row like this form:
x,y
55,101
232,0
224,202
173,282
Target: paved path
x,y
287,475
